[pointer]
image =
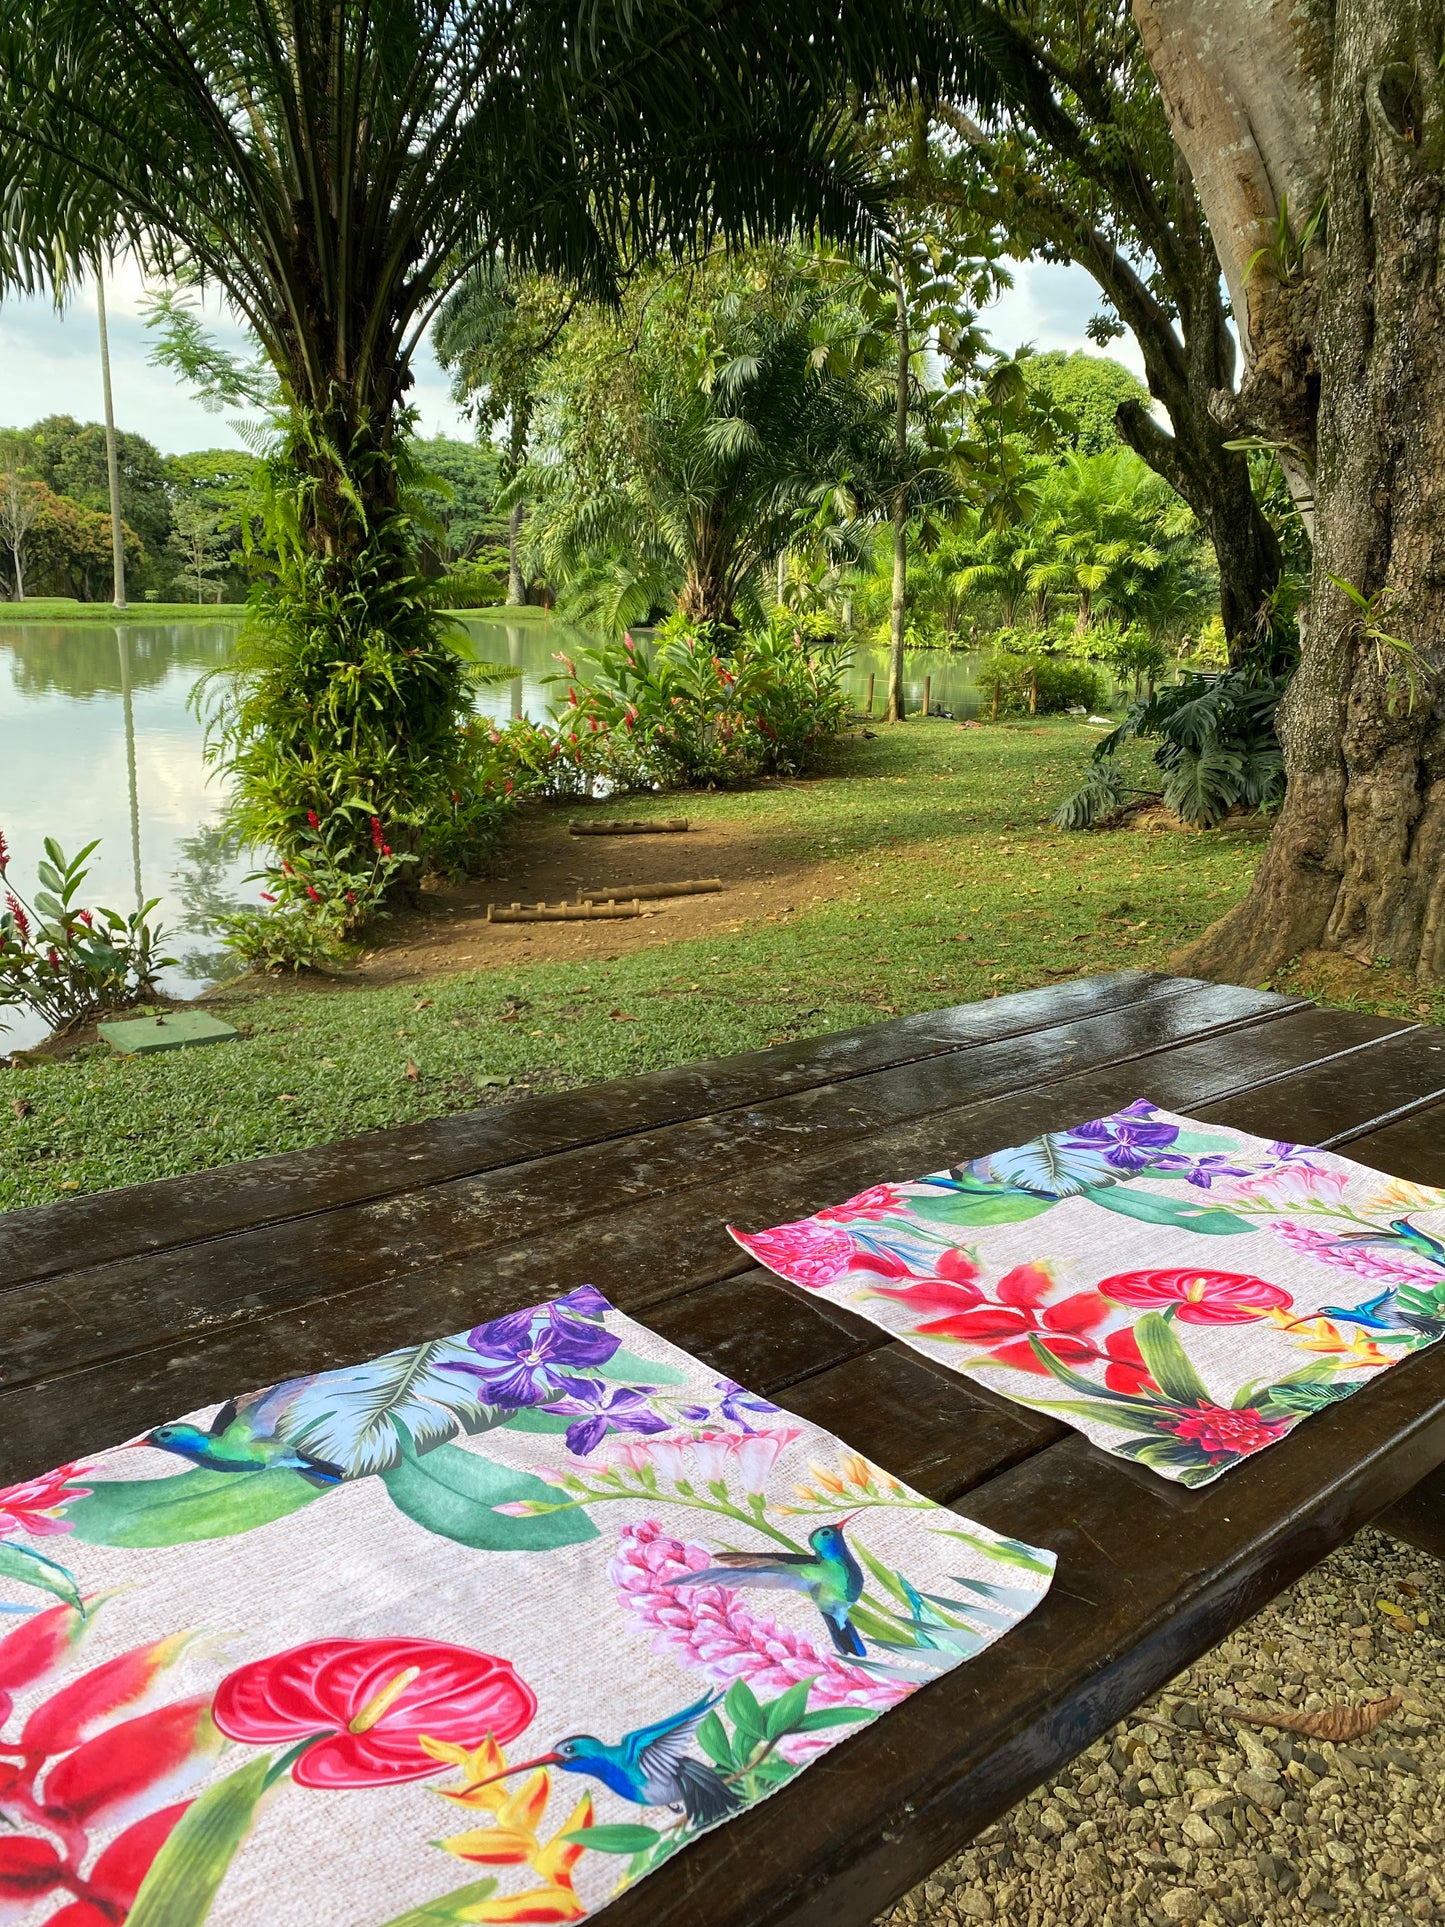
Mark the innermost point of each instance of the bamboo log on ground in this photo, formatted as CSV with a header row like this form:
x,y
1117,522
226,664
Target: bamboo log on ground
x,y
629,892
560,912
627,826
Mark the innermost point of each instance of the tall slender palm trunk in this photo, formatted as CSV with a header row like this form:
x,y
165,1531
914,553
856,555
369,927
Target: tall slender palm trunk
x,y
899,612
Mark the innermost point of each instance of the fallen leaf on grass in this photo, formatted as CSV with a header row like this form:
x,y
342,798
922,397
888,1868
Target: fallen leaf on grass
x,y
20,1106
1337,1723
411,1071
425,1004
621,1017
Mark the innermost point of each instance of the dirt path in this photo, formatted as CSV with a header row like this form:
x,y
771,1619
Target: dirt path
x,y
449,931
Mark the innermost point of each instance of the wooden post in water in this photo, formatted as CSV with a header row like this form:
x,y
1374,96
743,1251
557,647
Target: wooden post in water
x,y
928,695
868,706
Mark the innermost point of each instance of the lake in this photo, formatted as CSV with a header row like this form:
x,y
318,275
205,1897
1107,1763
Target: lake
x,y
99,738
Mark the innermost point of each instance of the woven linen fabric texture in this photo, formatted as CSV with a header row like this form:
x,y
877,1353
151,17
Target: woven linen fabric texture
x,y
480,1630
1181,1293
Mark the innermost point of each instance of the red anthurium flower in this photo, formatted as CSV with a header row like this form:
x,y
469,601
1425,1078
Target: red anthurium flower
x,y
1198,1297
28,1868
368,1702
132,1769
1127,1371
82,1708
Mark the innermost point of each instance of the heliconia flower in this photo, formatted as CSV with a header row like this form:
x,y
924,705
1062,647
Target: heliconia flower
x,y
17,911
1293,1183
40,1646
116,1877
36,1506
1126,1370
1380,1265
28,1869
876,1202
1198,1297
367,1702
804,1252
313,819
135,1768
713,1628
928,1294
83,1708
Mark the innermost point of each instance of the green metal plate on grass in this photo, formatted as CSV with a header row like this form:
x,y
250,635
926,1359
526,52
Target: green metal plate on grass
x,y
170,1030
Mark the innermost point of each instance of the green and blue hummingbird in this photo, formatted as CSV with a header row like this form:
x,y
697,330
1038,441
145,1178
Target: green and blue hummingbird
x,y
829,1575
1384,1314
651,1766
244,1437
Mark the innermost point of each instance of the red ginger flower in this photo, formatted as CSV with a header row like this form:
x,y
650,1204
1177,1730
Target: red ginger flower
x,y
17,910
367,1703
1198,1297
378,840
4,854
1223,1433
313,819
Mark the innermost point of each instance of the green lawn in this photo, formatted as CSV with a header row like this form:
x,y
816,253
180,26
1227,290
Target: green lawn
x,y
64,609
958,890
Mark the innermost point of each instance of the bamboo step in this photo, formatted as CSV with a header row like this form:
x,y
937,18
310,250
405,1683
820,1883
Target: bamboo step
x,y
627,826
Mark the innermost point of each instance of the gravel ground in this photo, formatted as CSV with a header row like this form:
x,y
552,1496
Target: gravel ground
x,y
1183,1813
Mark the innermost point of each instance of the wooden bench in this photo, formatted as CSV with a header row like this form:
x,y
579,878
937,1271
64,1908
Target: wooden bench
x,y
121,1310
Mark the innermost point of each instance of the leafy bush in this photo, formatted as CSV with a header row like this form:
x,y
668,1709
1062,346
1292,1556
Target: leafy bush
x,y
65,963
682,714
1217,749
1038,685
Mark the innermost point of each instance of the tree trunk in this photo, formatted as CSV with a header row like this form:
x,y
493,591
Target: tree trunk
x,y
112,467
516,581
1357,859
898,614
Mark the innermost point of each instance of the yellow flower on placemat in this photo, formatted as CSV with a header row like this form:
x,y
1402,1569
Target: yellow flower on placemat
x,y
851,1478
1399,1194
513,1840
1322,1335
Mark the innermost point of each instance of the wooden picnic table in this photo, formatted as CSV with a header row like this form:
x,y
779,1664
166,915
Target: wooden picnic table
x,y
122,1310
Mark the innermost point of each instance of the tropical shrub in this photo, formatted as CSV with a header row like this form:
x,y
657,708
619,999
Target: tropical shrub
x,y
1217,749
678,713
66,963
1019,679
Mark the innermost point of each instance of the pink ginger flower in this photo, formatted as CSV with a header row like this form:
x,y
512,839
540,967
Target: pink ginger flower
x,y
713,1629
1378,1265
1294,1183
805,1252
36,1505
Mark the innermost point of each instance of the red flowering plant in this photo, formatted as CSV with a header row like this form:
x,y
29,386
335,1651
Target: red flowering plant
x,y
1020,1322
1175,1425
337,875
94,1755
67,963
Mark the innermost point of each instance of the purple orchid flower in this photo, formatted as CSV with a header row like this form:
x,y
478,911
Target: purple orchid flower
x,y
1130,1139
734,1405
527,1357
627,1410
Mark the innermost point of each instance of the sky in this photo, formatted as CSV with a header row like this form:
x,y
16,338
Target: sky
x,y
50,364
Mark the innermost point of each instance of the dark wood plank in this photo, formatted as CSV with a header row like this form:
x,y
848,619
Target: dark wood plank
x,y
640,1254
110,1309
1149,1577
1350,1100
47,1239
1413,1148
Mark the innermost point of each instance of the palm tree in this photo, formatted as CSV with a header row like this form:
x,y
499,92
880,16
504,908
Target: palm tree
x,y
335,167
688,443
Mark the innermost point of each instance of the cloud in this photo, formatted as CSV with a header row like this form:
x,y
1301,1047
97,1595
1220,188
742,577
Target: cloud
x,y
1050,305
52,367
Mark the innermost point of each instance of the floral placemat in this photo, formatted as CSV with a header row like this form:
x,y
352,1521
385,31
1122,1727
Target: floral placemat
x,y
481,1630
1183,1294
